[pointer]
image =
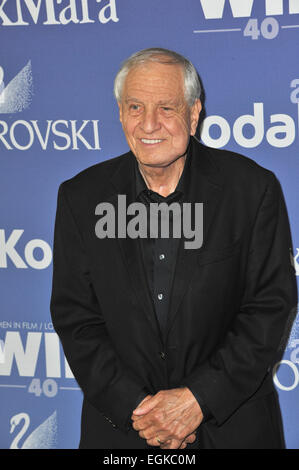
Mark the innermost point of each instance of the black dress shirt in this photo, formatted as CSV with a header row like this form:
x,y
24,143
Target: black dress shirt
x,y
160,254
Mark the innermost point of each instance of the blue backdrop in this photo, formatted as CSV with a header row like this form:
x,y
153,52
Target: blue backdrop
x,y
58,115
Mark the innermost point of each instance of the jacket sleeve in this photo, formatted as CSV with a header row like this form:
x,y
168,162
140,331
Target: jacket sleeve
x,y
235,371
78,320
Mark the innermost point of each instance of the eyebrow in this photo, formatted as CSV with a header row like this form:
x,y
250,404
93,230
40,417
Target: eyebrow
x,y
132,99
169,102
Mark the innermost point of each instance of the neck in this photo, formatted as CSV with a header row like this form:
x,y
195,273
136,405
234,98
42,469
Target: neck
x,y
163,180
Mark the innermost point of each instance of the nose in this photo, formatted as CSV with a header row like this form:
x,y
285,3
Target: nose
x,y
150,121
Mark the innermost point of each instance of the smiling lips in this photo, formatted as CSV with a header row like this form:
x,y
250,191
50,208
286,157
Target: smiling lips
x,y
151,141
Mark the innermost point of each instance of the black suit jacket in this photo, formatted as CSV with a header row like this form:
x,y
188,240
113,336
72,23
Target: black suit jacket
x,y
230,303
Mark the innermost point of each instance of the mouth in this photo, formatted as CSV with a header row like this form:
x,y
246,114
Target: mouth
x,y
151,141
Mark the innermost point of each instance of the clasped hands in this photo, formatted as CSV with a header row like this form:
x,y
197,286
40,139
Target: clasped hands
x,y
168,419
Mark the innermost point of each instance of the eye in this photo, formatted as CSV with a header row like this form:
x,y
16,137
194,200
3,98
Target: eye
x,y
167,110
135,109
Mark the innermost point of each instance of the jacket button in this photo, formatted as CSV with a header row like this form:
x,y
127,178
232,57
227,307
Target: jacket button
x,y
162,355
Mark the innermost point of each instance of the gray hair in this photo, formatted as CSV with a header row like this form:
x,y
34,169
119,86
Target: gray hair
x,y
192,87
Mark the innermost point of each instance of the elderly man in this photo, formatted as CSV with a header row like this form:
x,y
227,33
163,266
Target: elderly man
x,y
173,347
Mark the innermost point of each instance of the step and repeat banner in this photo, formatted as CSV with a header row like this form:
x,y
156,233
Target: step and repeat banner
x,y
58,116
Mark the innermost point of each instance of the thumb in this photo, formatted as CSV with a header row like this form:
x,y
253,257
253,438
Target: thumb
x,y
145,399
145,406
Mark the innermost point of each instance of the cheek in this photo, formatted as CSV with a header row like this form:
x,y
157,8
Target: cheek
x,y
129,127
179,129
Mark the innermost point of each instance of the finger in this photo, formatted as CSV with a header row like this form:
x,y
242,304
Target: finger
x,y
172,444
136,418
190,439
166,445
182,444
145,421
153,442
159,443
149,433
166,435
141,424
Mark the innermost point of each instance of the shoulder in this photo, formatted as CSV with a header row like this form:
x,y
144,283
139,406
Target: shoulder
x,y
238,170
96,177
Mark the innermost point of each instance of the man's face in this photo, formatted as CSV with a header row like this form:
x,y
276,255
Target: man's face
x,y
156,119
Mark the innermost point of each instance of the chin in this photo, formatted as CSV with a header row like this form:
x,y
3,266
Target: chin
x,y
154,161
157,160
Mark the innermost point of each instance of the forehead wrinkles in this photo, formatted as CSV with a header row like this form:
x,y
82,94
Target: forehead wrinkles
x,y
155,79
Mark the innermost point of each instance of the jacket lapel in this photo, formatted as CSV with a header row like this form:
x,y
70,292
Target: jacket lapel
x,y
205,187
124,183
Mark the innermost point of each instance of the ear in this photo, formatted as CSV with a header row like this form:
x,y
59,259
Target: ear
x,y
195,113
120,111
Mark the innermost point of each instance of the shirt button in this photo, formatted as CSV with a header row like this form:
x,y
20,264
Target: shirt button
x,y
162,355
161,256
160,296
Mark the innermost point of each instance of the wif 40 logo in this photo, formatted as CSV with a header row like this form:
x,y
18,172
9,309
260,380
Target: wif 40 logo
x,y
268,28
214,9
